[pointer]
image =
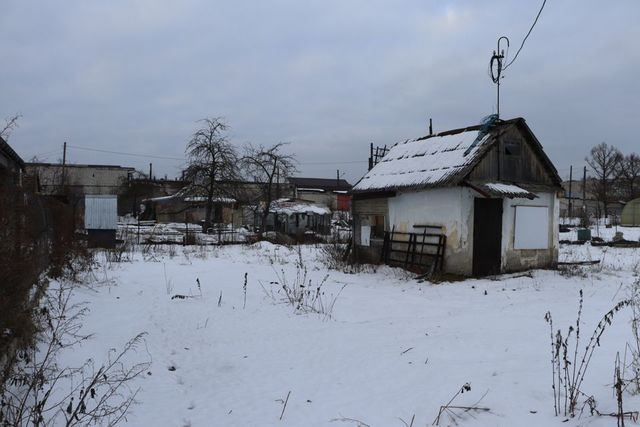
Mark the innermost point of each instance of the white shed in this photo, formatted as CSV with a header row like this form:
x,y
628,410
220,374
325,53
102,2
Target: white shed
x,y
473,201
101,219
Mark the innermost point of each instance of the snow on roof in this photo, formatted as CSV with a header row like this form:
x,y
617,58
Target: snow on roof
x,y
315,190
179,196
204,199
296,206
426,161
510,190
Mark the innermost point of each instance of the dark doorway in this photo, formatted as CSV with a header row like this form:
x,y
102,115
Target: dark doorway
x,y
487,236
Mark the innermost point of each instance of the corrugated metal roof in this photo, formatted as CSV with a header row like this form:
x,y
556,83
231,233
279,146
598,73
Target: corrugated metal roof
x,y
506,190
428,161
443,159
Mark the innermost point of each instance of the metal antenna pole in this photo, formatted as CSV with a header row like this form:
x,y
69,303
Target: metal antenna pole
x,y
497,58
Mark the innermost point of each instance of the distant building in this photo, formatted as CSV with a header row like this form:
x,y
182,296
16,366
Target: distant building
x,y
473,201
297,217
331,192
573,205
140,188
631,214
71,182
57,179
184,208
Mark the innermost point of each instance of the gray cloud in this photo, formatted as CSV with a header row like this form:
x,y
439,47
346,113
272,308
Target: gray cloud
x,y
328,76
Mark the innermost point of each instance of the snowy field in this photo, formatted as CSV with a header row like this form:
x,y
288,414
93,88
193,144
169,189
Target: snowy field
x,y
628,233
391,349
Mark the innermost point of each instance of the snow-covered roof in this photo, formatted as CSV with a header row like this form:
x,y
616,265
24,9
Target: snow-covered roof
x,y
508,190
204,199
314,190
442,159
424,161
297,206
180,196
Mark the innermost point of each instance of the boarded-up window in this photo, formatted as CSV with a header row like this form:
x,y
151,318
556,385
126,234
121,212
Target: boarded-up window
x,y
532,227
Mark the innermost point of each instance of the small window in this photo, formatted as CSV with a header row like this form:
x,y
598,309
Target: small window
x,y
512,148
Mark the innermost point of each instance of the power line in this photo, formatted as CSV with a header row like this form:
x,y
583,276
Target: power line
x,y
527,36
122,153
153,156
334,163
47,153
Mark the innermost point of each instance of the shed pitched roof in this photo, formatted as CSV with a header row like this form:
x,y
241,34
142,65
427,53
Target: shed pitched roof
x,y
439,160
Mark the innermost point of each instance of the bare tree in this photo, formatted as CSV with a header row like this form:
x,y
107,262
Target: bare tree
x,y
10,123
628,174
604,161
268,166
212,163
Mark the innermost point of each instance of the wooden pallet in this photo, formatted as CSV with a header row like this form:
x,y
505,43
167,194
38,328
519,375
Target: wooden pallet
x,y
418,252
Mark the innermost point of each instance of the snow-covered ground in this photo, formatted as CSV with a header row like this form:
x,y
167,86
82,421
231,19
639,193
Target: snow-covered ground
x,y
392,348
628,233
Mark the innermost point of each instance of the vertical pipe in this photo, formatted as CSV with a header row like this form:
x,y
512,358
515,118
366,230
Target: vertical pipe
x,y
371,157
64,163
584,194
570,192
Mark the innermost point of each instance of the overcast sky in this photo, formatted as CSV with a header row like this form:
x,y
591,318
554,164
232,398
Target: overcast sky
x,y
327,76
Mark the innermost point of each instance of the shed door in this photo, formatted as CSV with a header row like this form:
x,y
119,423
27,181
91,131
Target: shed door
x,y
487,236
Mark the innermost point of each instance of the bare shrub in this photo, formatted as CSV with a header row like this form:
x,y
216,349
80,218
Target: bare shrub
x,y
335,255
33,394
568,370
122,252
37,240
454,411
635,328
301,293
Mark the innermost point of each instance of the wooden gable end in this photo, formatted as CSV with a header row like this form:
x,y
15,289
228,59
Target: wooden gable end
x,y
514,157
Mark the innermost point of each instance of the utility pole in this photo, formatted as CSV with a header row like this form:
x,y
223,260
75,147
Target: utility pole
x,y
64,163
570,193
338,178
430,126
275,163
150,171
496,74
584,193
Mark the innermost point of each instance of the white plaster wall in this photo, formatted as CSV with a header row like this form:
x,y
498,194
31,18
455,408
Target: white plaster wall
x,y
451,208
